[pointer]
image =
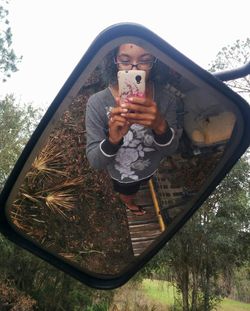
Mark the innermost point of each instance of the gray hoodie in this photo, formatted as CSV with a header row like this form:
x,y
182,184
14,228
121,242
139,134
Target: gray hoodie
x,y
141,150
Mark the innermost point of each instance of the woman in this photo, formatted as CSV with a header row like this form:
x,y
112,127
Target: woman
x,y
130,138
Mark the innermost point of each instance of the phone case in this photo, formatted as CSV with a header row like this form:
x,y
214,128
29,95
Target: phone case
x,y
131,83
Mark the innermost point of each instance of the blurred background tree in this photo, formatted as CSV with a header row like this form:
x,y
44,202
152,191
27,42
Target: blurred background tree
x,y
233,56
17,123
8,58
207,258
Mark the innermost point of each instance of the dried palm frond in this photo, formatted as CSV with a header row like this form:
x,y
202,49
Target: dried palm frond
x,y
33,198
48,166
19,221
59,200
49,162
56,201
39,196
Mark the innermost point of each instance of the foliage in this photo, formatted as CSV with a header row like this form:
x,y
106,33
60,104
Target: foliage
x,y
49,288
17,122
203,256
15,300
8,58
98,307
241,283
217,234
43,285
231,57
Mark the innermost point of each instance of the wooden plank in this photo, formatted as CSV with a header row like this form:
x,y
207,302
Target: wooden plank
x,y
146,238
147,227
144,229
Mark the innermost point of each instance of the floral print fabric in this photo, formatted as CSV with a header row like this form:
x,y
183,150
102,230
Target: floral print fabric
x,y
132,156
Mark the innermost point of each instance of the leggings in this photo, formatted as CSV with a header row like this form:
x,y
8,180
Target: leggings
x,y
128,188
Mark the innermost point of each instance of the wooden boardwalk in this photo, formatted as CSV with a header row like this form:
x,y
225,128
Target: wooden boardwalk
x,y
146,228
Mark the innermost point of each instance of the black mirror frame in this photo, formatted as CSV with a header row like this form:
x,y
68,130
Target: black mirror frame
x,y
113,32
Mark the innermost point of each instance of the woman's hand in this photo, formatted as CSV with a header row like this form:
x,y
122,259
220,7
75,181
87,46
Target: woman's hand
x,y
145,112
118,124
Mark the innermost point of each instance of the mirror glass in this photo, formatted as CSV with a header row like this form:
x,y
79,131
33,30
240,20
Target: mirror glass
x,y
70,209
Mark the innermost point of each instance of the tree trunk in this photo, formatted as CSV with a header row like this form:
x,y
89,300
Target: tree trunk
x,y
194,292
184,289
207,291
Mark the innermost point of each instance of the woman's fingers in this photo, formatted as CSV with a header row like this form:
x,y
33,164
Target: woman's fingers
x,y
136,108
118,111
118,127
135,111
133,117
140,112
117,121
117,101
139,100
140,105
133,104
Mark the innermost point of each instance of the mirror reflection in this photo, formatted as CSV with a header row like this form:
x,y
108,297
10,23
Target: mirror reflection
x,y
131,150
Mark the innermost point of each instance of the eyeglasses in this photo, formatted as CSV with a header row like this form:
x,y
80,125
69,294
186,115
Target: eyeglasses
x,y
143,65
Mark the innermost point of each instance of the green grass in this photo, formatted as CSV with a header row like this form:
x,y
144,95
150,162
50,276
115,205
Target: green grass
x,y
233,305
160,291
163,292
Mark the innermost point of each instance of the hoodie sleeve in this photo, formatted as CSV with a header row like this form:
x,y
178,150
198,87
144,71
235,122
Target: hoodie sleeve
x,y
167,143
99,150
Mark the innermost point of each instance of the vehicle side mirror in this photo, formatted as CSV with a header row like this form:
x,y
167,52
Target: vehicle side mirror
x,y
58,207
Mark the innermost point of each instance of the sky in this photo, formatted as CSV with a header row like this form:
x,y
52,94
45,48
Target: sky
x,y
53,35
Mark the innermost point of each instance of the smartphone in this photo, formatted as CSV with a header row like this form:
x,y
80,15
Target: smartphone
x,y
131,83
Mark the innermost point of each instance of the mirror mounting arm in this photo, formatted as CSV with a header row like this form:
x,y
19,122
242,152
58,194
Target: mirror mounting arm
x,y
234,73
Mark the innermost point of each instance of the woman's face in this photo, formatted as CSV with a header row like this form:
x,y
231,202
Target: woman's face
x,y
130,54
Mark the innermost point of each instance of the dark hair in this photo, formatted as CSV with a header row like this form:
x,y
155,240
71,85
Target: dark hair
x,y
109,68
160,73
